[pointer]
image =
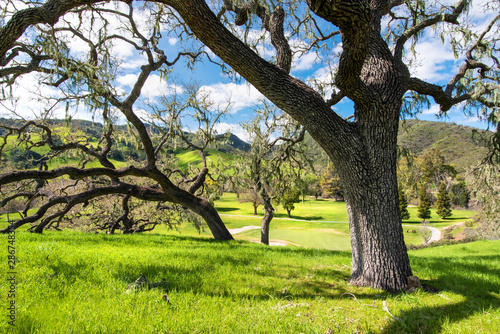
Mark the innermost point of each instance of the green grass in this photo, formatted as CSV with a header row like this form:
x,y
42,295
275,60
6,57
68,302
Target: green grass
x,y
318,224
192,158
70,282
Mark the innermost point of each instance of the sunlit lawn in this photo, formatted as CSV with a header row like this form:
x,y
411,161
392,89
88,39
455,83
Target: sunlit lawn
x,y
68,282
318,223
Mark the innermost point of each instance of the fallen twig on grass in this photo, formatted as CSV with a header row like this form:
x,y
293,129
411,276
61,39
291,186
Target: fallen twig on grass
x,y
385,308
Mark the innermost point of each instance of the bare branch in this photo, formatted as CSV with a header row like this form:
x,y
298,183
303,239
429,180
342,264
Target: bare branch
x,y
72,173
471,62
272,22
445,100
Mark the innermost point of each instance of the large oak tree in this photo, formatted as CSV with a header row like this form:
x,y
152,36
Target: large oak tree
x,y
372,70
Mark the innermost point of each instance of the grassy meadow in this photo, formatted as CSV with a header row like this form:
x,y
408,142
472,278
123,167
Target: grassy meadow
x,y
70,282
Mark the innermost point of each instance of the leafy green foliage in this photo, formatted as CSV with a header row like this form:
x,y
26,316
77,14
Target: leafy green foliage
x,y
424,204
433,168
289,198
487,188
213,190
330,183
443,203
459,193
460,146
25,159
403,204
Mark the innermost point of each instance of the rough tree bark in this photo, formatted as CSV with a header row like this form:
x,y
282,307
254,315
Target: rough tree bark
x,y
268,213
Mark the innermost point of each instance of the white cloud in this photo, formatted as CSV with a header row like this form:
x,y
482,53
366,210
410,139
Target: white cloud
x,y
239,95
433,110
323,77
471,120
173,40
31,101
132,63
236,129
305,62
433,57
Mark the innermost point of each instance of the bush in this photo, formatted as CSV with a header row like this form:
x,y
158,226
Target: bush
x,y
441,242
470,222
447,235
470,234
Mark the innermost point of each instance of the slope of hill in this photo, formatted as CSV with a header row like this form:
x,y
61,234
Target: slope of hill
x,y
459,145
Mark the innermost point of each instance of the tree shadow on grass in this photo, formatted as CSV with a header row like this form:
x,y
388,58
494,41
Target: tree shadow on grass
x,y
284,215
465,276
227,209
252,277
202,272
312,218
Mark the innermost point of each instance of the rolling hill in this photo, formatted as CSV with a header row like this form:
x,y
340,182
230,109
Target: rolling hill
x,y
460,145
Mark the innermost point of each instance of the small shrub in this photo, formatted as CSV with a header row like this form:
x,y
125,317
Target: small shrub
x,y
447,235
470,222
470,234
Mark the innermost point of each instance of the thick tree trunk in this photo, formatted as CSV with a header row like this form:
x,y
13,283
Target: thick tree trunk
x,y
379,255
364,151
369,175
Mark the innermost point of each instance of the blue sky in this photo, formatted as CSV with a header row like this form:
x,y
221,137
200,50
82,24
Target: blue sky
x,y
434,62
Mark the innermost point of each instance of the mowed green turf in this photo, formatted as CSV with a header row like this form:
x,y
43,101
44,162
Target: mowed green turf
x,y
68,282
318,223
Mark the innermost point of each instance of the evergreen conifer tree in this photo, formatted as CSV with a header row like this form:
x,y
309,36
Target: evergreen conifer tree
x,y
443,203
403,204
424,204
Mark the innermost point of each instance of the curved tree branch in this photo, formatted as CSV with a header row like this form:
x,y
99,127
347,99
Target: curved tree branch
x,y
144,193
289,94
444,97
356,30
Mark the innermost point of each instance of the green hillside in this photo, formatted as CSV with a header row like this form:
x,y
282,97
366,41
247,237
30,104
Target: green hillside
x,y
187,158
460,145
